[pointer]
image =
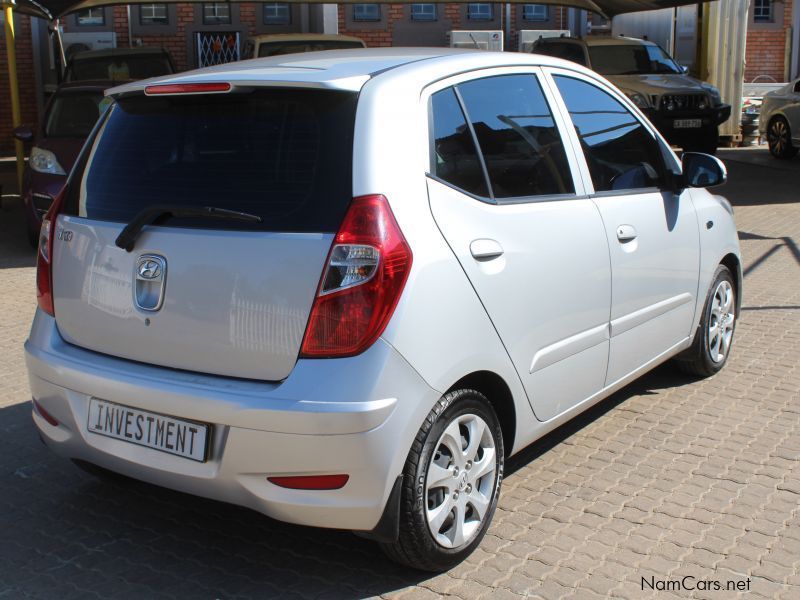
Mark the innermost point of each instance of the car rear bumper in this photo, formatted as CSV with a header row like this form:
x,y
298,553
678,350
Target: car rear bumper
x,y
354,416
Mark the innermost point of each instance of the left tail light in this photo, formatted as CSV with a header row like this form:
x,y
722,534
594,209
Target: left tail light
x,y
364,276
44,258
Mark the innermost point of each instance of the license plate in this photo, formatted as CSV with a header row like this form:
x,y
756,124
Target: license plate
x,y
687,123
188,439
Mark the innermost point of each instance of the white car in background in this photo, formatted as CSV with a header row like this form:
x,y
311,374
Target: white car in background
x,y
780,120
342,287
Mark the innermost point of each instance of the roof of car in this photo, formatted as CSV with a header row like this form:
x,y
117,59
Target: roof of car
x,y
618,40
344,69
144,50
305,37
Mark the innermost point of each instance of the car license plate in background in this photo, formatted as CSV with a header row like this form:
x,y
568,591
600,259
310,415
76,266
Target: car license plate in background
x,y
152,430
687,123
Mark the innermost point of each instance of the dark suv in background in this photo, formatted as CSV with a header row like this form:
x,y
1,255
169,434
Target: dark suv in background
x,y
685,110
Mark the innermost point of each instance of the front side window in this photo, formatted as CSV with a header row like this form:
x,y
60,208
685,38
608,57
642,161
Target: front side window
x,y
479,11
423,12
455,158
277,13
217,13
762,11
91,17
366,12
620,152
153,14
516,134
534,12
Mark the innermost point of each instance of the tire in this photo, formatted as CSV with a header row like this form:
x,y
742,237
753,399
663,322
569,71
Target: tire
x,y
706,142
779,138
709,353
462,495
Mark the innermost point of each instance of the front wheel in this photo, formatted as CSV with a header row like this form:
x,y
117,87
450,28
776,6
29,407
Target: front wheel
x,y
712,344
451,482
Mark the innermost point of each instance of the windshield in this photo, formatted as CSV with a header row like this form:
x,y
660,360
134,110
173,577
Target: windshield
x,y
284,155
74,114
629,59
276,49
118,68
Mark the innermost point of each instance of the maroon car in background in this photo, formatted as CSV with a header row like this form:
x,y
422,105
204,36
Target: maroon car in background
x,y
68,119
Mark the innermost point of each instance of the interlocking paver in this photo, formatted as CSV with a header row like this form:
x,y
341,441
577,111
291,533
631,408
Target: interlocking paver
x,y
670,477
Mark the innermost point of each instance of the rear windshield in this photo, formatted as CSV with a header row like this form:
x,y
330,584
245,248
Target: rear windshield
x,y
118,68
74,114
284,155
277,49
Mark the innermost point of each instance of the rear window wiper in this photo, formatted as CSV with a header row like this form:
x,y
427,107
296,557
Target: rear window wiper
x,y
128,236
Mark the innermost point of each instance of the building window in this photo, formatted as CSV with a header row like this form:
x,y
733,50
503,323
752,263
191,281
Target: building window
x,y
423,12
153,14
534,12
277,13
91,17
762,11
366,12
479,12
216,13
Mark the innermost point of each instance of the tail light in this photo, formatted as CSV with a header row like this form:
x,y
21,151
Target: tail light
x,y
44,258
364,276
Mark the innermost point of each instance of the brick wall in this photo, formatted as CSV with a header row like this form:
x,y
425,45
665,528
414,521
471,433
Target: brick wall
x,y
766,44
27,85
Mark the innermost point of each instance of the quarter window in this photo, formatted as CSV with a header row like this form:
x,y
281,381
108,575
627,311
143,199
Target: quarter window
x,y
366,12
153,14
423,12
455,158
216,13
534,12
521,145
277,13
620,152
479,11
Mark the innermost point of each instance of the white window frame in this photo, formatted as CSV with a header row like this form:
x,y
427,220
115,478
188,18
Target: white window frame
x,y
218,12
480,11
366,12
537,13
95,17
424,11
148,16
276,13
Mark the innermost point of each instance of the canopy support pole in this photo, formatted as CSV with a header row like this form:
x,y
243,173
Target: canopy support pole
x,y
13,85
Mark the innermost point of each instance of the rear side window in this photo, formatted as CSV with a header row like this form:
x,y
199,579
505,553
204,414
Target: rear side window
x,y
284,155
620,152
521,145
571,52
455,158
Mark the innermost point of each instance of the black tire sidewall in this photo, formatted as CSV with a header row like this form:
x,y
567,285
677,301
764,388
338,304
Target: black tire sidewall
x,y
465,402
789,151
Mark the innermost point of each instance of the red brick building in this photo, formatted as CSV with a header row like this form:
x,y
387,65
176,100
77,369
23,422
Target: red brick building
x,y
768,28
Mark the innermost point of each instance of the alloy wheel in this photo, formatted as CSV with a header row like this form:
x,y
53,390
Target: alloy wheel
x,y
778,136
460,481
721,322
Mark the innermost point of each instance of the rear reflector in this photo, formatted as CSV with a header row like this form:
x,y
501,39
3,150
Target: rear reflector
x,y
187,88
44,414
311,482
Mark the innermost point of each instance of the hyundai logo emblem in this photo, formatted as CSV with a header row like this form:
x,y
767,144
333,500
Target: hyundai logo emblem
x,y
149,268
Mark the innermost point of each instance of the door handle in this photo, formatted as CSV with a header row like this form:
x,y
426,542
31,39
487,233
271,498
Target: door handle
x,y
626,233
485,249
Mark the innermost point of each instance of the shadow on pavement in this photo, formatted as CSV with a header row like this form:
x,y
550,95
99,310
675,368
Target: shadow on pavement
x,y
755,178
123,538
15,251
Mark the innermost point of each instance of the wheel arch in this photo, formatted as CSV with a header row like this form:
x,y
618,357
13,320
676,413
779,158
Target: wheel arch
x,y
733,263
495,388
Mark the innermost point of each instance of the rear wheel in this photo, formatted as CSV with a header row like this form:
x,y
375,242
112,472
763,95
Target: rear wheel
x,y
712,344
451,483
779,138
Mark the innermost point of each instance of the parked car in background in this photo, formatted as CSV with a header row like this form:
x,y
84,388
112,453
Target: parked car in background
x,y
686,111
68,119
290,43
341,288
119,64
779,120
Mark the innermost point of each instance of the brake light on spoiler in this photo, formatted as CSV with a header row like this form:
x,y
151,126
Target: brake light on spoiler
x,y
166,89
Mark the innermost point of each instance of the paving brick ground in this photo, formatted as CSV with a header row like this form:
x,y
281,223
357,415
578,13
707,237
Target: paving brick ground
x,y
669,478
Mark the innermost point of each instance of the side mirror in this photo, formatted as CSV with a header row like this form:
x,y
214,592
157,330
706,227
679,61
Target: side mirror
x,y
23,133
703,170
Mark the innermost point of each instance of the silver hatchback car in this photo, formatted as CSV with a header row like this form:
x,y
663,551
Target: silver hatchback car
x,y
341,288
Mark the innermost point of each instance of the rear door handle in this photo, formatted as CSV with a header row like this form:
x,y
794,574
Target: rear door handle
x,y
485,249
626,233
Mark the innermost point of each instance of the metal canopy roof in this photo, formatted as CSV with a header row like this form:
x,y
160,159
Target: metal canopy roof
x,y
52,9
